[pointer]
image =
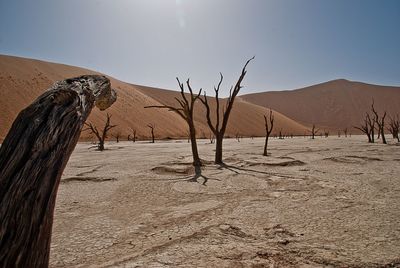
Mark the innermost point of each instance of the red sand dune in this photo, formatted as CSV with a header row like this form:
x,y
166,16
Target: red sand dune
x,y
333,105
22,80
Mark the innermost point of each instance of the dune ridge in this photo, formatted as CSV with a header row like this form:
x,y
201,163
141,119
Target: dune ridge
x,y
334,105
22,80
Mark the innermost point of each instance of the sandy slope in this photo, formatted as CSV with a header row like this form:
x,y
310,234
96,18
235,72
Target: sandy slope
x,y
246,118
336,104
313,203
22,80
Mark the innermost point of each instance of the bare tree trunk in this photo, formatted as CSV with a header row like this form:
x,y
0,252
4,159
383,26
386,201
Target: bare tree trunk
x,y
218,149
269,125
266,145
100,146
195,152
32,159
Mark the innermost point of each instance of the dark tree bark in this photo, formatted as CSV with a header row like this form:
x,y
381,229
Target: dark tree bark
x,y
101,136
219,131
380,121
186,112
152,127
32,159
268,130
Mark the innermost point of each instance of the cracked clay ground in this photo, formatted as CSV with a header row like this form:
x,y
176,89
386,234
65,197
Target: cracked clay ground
x,y
331,202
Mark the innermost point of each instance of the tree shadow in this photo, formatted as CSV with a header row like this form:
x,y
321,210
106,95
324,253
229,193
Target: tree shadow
x,y
194,178
235,169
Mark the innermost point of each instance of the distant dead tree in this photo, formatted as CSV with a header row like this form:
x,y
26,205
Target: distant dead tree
x,y
32,160
152,127
345,131
269,125
186,112
100,135
133,134
212,137
117,135
368,128
394,126
313,131
188,136
238,137
219,131
380,121
280,135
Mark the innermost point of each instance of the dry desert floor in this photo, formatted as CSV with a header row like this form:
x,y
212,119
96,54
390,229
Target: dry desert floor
x,y
328,202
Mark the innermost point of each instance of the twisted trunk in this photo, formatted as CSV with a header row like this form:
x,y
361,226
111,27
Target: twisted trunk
x,y
32,159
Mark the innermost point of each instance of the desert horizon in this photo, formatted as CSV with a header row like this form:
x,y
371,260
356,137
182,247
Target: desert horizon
x,y
199,133
28,78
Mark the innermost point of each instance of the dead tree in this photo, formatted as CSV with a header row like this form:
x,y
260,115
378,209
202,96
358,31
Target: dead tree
x,y
212,137
371,125
345,131
32,159
133,134
219,127
117,135
186,112
237,137
268,130
100,135
380,121
280,135
313,131
152,127
394,126
368,128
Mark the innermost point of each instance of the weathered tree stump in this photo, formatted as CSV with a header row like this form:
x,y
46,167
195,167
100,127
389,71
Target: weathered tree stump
x,y
32,159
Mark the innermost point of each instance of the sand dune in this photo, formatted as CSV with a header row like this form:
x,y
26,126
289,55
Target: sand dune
x,y
334,105
247,119
22,80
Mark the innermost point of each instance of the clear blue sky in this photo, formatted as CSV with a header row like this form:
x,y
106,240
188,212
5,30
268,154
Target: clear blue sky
x,y
150,42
